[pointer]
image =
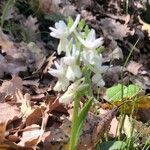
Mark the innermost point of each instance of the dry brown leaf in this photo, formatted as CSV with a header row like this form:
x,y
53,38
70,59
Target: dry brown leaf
x,y
8,112
11,86
30,137
49,62
57,138
31,23
84,4
31,82
31,27
116,53
25,107
115,29
2,130
125,18
114,7
88,15
38,97
13,138
112,75
35,117
8,145
13,61
49,5
5,43
31,115
8,63
53,105
142,74
19,56
113,128
68,10
134,67
113,125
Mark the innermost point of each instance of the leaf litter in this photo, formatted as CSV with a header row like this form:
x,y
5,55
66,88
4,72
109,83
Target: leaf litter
x,y
31,116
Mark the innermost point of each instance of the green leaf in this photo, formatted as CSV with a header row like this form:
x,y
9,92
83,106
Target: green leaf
x,y
118,145
82,90
81,25
112,145
115,93
82,116
69,22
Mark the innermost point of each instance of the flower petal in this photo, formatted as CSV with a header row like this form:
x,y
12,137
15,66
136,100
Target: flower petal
x,y
75,24
70,74
66,98
91,36
88,43
62,45
60,25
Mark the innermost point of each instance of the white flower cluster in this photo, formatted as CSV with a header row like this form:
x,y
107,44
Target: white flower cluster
x,y
79,52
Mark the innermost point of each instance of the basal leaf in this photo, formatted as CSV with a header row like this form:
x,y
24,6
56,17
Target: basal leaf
x,y
112,145
82,116
116,93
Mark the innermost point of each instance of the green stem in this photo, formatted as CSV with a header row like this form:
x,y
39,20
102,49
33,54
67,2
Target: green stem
x,y
8,4
122,93
127,7
72,144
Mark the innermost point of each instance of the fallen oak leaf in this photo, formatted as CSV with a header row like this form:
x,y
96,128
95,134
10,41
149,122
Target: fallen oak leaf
x,y
115,29
10,87
8,145
31,27
52,105
10,115
35,117
30,115
30,137
134,67
49,62
49,5
24,100
125,18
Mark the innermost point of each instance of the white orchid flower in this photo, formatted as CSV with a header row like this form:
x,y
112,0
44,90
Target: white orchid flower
x,y
96,67
68,96
90,42
73,70
61,31
97,77
90,57
60,73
